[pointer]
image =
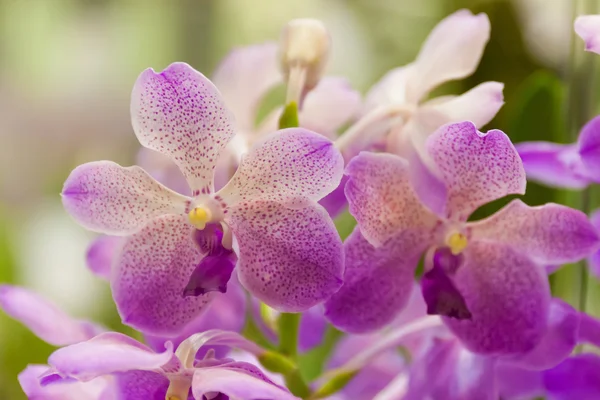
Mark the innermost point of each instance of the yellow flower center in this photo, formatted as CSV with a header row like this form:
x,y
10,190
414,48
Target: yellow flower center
x,y
199,217
457,242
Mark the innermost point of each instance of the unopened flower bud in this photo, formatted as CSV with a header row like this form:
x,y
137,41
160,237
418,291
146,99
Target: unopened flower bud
x,y
304,52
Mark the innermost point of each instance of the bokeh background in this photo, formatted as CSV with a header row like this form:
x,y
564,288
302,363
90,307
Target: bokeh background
x,y
67,68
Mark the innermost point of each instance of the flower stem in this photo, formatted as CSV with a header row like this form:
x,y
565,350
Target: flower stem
x,y
288,325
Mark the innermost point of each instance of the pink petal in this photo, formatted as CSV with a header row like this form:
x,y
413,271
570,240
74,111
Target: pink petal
x,y
42,317
141,385
382,199
330,105
549,234
237,380
105,197
589,148
288,164
106,354
476,167
178,112
102,253
151,274
163,169
508,296
288,258
479,105
29,379
554,164
244,77
391,88
588,28
378,282
452,51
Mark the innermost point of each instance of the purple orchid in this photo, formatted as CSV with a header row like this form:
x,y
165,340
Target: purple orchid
x,y
588,28
268,206
485,278
572,166
137,372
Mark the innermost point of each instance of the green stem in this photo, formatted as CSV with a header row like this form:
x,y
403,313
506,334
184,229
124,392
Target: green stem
x,y
288,325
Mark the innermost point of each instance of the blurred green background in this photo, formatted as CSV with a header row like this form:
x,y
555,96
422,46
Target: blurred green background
x,y
67,68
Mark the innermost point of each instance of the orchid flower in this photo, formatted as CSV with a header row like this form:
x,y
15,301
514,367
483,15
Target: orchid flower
x,y
140,373
572,166
395,105
588,28
289,253
486,278
55,327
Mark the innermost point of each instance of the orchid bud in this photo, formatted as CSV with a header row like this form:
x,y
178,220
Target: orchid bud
x,y
304,50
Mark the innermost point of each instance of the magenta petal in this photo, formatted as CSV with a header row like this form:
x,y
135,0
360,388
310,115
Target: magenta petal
x,y
589,329
577,377
287,164
335,202
102,253
288,258
237,380
508,296
42,317
377,282
515,383
553,164
476,167
105,354
141,385
557,343
212,274
151,273
548,234
589,148
588,28
105,197
381,198
312,329
179,113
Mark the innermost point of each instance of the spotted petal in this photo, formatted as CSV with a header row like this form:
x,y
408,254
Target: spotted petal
x,y
244,77
151,274
377,282
508,296
141,385
179,112
106,354
588,28
290,259
286,165
381,198
43,318
476,167
105,197
452,51
549,234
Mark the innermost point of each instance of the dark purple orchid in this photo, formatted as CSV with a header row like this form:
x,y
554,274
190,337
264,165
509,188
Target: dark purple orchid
x,y
485,277
268,206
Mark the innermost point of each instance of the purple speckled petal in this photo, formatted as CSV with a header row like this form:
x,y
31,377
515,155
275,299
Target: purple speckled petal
x,y
105,197
244,77
479,105
549,234
163,169
377,282
381,197
553,164
239,380
476,167
212,274
589,148
335,202
516,383
508,296
288,258
179,112
331,104
96,389
588,28
594,259
154,267
102,253
557,343
42,317
105,354
287,164
452,51
577,377
141,385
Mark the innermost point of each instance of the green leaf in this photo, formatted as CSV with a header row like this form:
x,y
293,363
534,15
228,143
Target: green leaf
x,y
289,117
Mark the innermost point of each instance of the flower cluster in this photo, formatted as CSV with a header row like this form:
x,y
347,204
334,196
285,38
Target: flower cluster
x,y
221,250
